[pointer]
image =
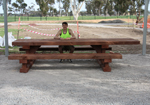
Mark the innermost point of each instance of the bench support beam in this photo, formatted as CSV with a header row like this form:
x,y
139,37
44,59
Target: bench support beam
x,y
104,63
26,66
29,58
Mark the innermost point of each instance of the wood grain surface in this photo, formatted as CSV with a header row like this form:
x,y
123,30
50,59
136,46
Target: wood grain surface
x,y
102,41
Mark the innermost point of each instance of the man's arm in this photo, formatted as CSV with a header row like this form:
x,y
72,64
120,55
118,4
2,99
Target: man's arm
x,y
72,34
58,35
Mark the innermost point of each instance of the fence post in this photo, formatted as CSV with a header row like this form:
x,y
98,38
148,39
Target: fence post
x,y
128,20
41,18
22,18
130,16
28,17
15,17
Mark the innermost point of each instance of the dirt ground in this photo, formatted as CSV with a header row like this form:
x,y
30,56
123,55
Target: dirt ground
x,y
92,32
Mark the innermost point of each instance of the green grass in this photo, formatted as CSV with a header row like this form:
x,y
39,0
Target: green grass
x,y
14,49
25,18
14,31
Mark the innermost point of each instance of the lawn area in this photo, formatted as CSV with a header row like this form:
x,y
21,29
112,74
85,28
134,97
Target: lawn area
x,y
14,49
26,18
14,31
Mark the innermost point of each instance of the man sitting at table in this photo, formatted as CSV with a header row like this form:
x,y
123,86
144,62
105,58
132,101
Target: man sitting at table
x,y
65,34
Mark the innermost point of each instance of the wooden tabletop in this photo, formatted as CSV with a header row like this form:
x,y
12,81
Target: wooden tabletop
x,y
101,41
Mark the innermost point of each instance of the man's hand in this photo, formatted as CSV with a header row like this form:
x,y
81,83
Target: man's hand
x,y
62,39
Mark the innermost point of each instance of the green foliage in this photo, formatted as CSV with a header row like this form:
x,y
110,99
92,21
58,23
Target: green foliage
x,y
44,5
80,1
121,6
110,7
66,5
19,5
88,8
96,5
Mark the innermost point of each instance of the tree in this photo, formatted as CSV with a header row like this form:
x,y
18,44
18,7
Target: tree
x,y
76,7
110,7
20,5
59,6
121,6
10,10
136,8
139,4
29,9
44,5
55,11
89,7
132,9
1,3
66,5
99,4
23,6
51,9
15,7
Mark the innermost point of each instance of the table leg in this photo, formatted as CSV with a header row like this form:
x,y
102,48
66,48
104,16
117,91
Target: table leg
x,y
27,64
104,63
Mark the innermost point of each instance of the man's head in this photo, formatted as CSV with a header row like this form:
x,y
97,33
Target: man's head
x,y
65,25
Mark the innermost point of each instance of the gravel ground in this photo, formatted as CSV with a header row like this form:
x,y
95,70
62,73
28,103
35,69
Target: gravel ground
x,y
79,83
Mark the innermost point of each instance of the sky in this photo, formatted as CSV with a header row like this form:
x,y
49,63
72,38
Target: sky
x,y
29,2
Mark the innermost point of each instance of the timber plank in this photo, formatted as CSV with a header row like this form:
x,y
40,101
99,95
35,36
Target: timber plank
x,y
66,56
102,41
26,47
56,49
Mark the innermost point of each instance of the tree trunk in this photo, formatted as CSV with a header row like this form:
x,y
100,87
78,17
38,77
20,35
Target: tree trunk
x,y
66,12
106,12
59,9
76,17
75,9
138,16
99,11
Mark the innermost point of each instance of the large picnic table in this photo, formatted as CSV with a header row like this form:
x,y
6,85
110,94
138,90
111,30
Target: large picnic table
x,y
30,46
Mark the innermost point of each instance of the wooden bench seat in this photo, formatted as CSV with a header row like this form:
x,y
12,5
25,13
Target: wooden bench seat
x,y
66,56
55,48
27,60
